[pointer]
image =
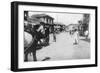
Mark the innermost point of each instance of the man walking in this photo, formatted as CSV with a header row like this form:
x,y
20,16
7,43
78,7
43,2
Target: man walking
x,y
76,37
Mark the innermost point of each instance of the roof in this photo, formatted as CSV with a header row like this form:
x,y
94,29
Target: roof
x,y
73,25
41,15
33,20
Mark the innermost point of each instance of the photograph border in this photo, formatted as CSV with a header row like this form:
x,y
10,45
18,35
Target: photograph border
x,y
14,35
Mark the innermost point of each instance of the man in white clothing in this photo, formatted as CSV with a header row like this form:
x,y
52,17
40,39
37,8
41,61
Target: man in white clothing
x,y
76,36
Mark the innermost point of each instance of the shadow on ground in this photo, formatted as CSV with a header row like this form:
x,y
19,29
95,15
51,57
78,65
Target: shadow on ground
x,y
87,40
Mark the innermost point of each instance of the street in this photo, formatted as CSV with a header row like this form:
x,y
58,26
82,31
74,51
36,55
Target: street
x,y
63,49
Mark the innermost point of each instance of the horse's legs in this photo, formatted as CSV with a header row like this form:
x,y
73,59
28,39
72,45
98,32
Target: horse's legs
x,y
34,55
26,57
33,50
26,54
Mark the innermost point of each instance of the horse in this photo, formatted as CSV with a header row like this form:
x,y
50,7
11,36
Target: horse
x,y
28,42
31,40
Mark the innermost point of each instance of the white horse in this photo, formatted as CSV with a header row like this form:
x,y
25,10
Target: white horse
x,y
28,41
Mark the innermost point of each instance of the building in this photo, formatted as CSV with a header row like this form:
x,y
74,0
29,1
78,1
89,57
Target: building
x,y
84,24
44,18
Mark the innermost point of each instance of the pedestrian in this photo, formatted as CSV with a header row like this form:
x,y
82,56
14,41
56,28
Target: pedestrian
x,y
47,35
54,34
86,34
76,36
